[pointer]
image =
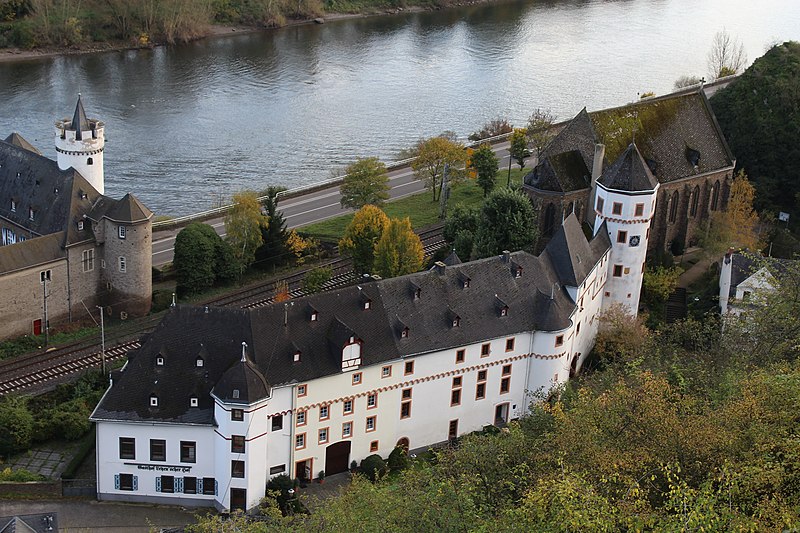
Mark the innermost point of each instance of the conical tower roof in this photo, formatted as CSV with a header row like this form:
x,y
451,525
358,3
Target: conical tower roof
x,y
79,121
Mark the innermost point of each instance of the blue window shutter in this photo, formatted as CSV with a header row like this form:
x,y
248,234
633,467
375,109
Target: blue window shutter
x,y
158,483
199,485
116,481
179,487
216,488
135,482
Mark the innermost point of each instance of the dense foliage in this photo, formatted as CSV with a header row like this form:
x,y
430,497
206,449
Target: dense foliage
x,y
399,250
274,250
436,155
485,163
361,235
243,226
365,182
201,259
760,116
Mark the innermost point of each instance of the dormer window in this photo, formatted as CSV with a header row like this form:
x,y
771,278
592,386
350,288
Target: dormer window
x,y
503,311
160,360
235,394
465,283
367,304
351,354
404,333
153,400
199,362
31,213
193,402
517,271
314,316
456,321
80,225
297,356
122,231
13,206
417,293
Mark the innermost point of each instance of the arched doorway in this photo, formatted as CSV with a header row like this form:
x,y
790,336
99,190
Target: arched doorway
x,y
402,443
337,458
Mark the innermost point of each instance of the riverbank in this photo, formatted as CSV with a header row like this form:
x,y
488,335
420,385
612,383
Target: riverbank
x,y
11,55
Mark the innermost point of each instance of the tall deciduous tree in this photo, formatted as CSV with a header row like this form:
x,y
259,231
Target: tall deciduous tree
x,y
727,55
432,156
485,163
507,223
519,146
540,129
399,250
736,227
365,182
243,227
361,235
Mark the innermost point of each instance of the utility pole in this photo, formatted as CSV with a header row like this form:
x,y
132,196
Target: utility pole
x,y
102,339
444,193
508,183
44,297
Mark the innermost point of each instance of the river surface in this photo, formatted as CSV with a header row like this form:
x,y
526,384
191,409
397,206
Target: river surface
x,y
191,124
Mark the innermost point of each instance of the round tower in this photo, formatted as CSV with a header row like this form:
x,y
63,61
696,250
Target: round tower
x,y
625,202
79,144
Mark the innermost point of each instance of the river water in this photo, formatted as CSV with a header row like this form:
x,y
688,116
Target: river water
x,y
188,125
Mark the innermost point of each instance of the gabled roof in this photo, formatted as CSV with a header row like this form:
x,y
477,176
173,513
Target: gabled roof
x,y
29,523
19,141
579,134
571,255
629,173
564,172
452,259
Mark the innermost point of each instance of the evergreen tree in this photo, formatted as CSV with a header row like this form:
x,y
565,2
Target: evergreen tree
x,y
274,235
485,163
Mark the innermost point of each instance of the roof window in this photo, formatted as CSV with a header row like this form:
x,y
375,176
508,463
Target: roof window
x,y
297,355
404,333
160,360
199,362
80,225
31,213
193,402
13,205
153,400
235,394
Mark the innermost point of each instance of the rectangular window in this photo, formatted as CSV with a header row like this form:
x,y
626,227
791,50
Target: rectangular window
x,y
455,397
88,260
373,446
617,208
188,452
505,385
506,370
559,340
122,232
158,450
277,422
409,367
452,429
371,423
123,265
357,378
638,210
485,349
300,441
237,444
13,210
372,400
237,468
481,375
277,469
190,485
480,391
167,484
127,448
301,418
457,381
405,409
509,345
302,390
617,271
126,482
347,430
347,407
460,356
600,203
209,486
323,435
622,237
237,415
45,275
31,213
406,394
324,412
386,371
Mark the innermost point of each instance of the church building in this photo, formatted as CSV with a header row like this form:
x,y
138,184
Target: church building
x,y
66,247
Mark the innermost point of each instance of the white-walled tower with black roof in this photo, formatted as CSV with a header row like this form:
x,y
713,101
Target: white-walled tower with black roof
x,y
80,142
626,200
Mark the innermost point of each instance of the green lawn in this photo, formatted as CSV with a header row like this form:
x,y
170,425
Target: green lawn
x,y
419,207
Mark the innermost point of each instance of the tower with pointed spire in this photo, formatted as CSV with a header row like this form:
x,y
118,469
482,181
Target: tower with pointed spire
x,y
80,142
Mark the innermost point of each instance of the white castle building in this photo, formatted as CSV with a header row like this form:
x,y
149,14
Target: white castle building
x,y
218,401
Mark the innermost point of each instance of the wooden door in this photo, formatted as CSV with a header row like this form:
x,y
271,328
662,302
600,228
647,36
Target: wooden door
x,y
337,458
238,499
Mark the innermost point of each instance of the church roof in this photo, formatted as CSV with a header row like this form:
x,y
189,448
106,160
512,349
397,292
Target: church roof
x,y
19,141
79,121
564,172
579,134
629,173
421,302
572,256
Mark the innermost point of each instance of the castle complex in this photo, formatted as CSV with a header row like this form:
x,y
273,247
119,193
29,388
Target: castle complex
x,y
66,247
218,401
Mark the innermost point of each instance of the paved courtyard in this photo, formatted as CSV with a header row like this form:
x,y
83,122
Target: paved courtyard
x,y
49,459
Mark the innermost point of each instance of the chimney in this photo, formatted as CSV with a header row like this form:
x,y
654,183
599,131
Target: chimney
x,y
506,256
725,275
439,266
597,171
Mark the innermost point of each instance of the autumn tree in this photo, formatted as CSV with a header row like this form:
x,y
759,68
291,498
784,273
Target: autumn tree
x,y
433,155
282,293
727,55
737,226
365,182
506,223
243,228
361,235
485,163
493,128
399,250
620,337
540,129
658,283
519,146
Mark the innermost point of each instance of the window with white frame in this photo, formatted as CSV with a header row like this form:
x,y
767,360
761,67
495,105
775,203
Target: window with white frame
x,y
122,231
123,264
88,260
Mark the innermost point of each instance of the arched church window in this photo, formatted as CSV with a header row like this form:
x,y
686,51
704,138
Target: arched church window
x,y
695,201
673,207
549,219
715,196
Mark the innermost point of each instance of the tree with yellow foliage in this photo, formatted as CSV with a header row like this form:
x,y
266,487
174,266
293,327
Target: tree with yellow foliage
x,y
361,235
243,228
736,227
399,250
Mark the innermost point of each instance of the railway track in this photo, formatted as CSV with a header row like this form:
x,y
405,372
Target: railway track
x,y
40,369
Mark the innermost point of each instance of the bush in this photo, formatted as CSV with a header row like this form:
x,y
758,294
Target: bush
x,y
16,422
398,459
20,475
374,467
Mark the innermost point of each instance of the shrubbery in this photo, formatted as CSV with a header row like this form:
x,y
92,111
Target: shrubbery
x,y
374,467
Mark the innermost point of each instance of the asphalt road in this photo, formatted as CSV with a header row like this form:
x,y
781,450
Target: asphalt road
x,y
313,207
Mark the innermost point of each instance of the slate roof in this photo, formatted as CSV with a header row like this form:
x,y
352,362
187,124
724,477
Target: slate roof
x,y
242,383
79,121
29,523
535,300
745,265
19,141
31,252
629,173
579,134
564,172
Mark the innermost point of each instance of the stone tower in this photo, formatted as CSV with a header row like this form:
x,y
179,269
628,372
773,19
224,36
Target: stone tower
x,y
625,200
79,143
